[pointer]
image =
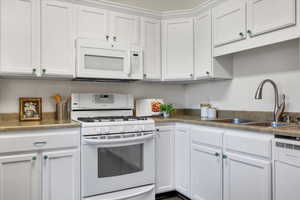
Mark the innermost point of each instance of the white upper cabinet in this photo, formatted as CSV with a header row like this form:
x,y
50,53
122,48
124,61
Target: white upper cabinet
x,y
178,49
125,28
182,160
206,173
151,44
19,37
246,178
61,175
57,38
229,22
19,177
269,15
92,23
203,45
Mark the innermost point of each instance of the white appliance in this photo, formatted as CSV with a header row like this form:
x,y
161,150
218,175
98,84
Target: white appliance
x,y
286,168
148,107
118,150
104,60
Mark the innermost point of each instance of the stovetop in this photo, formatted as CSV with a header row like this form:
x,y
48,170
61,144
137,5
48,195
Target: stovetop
x,y
111,119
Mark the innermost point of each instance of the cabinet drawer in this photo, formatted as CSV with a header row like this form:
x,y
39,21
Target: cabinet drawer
x,y
39,140
259,144
207,136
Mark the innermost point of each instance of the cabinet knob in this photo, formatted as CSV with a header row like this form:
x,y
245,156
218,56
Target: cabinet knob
x,y
34,158
217,154
115,38
107,37
207,72
145,75
34,70
225,156
44,71
241,34
46,157
157,130
249,32
191,75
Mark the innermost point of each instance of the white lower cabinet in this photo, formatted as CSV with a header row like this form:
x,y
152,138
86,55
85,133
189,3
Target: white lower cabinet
x,y
40,165
229,165
165,159
246,178
61,175
19,177
206,177
182,160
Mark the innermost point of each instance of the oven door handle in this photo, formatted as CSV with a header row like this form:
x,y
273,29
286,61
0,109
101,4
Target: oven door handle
x,y
126,194
118,141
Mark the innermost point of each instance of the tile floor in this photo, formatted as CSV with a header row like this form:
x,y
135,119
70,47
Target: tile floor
x,y
172,198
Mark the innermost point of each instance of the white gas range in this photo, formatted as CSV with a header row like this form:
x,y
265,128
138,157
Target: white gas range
x,y
117,151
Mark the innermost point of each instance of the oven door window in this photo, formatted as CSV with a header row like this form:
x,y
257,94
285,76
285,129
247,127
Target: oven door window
x,y
117,161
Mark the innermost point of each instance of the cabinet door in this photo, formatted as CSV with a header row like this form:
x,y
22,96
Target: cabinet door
x,y
246,178
229,22
58,45
286,181
61,175
203,45
178,49
125,28
19,36
206,173
92,23
19,177
165,159
269,15
151,41
182,161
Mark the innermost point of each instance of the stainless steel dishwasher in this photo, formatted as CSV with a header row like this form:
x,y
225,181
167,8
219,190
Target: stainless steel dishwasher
x,y
286,168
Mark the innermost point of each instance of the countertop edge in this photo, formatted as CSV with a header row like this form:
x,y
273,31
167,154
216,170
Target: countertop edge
x,y
30,126
286,131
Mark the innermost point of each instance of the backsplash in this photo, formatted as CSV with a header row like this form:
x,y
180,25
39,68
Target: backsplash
x,y
12,89
279,62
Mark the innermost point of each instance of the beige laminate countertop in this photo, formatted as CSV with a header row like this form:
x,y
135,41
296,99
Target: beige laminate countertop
x,y
291,130
35,125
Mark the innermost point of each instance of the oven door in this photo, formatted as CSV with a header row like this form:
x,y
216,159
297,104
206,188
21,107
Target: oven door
x,y
110,165
102,60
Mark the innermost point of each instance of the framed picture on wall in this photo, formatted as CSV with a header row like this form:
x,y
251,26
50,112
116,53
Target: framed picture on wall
x,y
30,109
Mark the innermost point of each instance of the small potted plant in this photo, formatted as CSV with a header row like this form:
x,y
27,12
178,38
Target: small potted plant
x,y
166,109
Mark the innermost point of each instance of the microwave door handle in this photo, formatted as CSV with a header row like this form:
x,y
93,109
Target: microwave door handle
x,y
128,194
114,142
128,64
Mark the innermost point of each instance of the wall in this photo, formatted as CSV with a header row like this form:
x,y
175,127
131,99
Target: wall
x,y
279,62
12,89
162,5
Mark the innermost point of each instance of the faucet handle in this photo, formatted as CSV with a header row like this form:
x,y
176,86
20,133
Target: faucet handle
x,y
280,109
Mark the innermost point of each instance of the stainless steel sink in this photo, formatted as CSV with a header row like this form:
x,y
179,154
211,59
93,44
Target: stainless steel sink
x,y
233,121
252,123
269,124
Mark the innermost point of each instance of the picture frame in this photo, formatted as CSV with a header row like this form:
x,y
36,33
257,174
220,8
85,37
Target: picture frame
x,y
30,109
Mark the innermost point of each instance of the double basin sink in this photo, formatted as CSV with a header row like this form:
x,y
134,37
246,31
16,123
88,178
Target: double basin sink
x,y
251,123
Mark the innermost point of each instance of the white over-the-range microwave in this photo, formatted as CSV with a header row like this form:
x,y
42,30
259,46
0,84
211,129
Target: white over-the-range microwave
x,y
104,60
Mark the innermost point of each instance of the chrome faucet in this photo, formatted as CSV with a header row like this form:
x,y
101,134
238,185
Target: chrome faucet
x,y
278,109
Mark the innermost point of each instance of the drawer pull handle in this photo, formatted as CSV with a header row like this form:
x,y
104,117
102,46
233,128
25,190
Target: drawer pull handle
x,y
40,144
46,157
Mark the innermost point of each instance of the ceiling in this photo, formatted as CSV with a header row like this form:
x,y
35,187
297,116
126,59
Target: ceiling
x,y
161,5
